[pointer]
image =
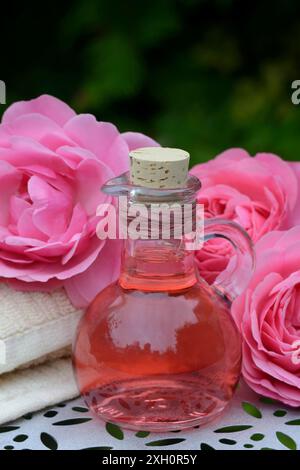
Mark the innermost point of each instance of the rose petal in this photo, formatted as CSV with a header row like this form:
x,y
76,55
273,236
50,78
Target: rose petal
x,y
84,287
51,208
102,139
136,140
46,105
90,176
10,180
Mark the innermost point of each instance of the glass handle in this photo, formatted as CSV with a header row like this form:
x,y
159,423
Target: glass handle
x,y
234,279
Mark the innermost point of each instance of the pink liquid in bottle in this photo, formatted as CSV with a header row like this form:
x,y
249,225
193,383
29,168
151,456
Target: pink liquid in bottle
x,y
157,360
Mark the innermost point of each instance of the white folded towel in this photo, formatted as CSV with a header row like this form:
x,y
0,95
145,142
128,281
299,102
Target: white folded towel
x,y
35,327
34,388
34,324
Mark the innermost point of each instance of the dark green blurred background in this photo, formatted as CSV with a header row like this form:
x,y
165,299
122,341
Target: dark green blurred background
x,y
202,75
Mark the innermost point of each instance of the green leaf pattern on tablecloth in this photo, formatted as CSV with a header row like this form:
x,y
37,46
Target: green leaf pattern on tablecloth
x,y
268,401
115,431
20,438
286,440
257,437
279,413
49,441
229,442
293,422
8,428
72,422
251,410
142,434
164,442
98,448
237,428
80,409
251,423
204,446
50,414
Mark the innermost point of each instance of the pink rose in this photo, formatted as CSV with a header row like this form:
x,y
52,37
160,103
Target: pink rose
x,y
294,216
259,193
268,315
52,165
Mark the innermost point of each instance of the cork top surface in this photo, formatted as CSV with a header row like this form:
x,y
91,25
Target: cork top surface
x,y
159,154
159,167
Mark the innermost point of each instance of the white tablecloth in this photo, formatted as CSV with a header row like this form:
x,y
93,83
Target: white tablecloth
x,y
249,423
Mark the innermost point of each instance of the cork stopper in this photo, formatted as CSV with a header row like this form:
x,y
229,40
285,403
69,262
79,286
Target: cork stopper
x,y
159,167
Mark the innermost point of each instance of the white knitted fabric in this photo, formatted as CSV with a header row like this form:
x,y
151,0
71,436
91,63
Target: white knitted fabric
x,y
32,389
34,324
35,327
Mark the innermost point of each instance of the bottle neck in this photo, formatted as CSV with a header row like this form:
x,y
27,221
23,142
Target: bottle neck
x,y
157,265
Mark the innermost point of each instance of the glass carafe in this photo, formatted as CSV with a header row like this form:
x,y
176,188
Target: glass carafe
x,y
158,350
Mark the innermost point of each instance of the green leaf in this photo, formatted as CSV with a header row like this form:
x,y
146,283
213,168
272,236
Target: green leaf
x,y
268,401
294,422
229,442
20,438
98,448
71,422
50,414
251,409
257,437
204,446
80,409
236,428
164,442
115,431
286,440
142,434
279,413
266,448
49,441
8,428
248,446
